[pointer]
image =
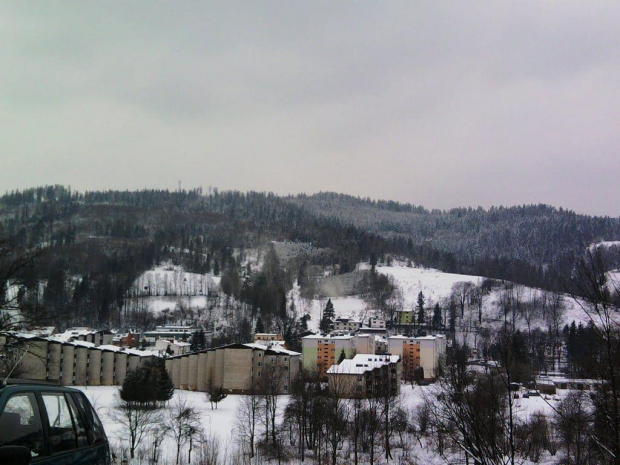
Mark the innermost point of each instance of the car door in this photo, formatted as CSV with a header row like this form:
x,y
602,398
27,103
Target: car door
x,y
21,425
69,442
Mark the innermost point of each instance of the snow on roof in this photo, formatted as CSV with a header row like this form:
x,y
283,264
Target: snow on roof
x,y
110,347
272,347
319,336
28,336
362,363
417,338
84,344
142,353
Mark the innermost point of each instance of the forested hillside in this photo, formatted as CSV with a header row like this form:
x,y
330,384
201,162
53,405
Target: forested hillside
x,y
93,245
532,244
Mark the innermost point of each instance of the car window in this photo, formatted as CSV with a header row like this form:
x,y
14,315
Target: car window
x,y
94,428
78,421
61,428
20,424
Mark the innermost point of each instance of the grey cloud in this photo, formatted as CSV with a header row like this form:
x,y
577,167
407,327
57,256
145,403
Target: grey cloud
x,y
436,103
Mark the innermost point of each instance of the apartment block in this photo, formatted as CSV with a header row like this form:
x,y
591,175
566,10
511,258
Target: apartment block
x,y
321,352
74,363
236,368
426,352
366,375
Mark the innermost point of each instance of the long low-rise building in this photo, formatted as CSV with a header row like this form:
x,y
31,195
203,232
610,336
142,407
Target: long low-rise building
x,y
73,363
236,369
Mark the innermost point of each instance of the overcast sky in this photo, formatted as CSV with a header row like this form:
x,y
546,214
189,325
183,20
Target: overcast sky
x,y
439,104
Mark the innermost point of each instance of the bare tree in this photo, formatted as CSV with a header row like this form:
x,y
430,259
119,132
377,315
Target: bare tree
x,y
159,433
19,304
270,386
390,404
210,452
183,423
336,415
573,424
355,426
215,394
305,390
248,413
597,296
371,428
471,410
137,421
554,306
461,291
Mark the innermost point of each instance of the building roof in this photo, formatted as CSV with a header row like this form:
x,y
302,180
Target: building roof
x,y
110,348
362,363
274,348
141,353
417,338
319,336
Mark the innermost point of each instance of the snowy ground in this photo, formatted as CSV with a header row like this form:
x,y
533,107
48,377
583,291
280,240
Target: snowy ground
x,y
437,287
344,307
220,423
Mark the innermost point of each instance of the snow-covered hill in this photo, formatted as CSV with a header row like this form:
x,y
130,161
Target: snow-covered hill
x,y
437,287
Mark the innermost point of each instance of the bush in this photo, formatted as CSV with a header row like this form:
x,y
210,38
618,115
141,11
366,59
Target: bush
x,y
148,384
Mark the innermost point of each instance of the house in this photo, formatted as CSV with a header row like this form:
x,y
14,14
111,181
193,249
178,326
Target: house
x,y
172,347
181,333
404,317
346,325
129,339
268,337
366,375
377,323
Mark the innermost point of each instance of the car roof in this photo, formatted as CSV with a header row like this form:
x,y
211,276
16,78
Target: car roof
x,y
15,385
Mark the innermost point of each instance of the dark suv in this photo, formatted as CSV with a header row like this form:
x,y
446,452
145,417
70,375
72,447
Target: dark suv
x,y
49,424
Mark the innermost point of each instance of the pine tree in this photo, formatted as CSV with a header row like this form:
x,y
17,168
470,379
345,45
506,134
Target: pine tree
x,y
193,342
148,384
202,340
165,386
329,310
132,389
437,320
260,327
421,315
341,357
325,325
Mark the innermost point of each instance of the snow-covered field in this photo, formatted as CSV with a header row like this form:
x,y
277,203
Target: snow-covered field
x,y
220,423
344,307
437,287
